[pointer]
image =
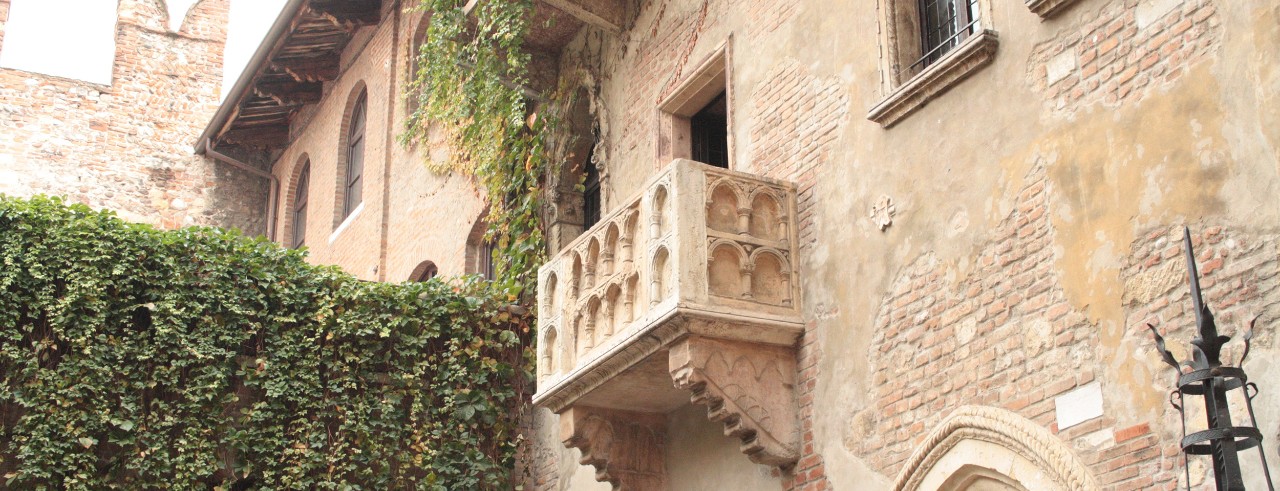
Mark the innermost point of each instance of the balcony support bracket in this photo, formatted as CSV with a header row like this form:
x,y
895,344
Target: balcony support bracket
x,y
626,448
747,387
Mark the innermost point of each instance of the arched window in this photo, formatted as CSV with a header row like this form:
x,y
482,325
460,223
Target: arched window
x,y
591,192
424,272
353,194
300,193
480,251
413,96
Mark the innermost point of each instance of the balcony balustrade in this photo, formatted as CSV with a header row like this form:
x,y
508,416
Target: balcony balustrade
x,y
687,291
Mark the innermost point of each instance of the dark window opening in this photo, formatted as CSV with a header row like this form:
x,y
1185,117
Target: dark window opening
x,y
591,192
487,266
709,133
300,206
426,272
944,24
355,159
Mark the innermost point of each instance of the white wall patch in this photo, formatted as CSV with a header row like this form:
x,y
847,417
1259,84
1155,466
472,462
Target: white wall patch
x,y
1080,405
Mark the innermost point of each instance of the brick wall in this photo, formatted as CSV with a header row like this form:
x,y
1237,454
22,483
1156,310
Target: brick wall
x,y
1123,49
128,146
410,214
1002,334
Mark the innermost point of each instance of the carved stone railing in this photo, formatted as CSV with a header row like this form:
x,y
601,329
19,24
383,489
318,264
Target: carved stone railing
x,y
687,291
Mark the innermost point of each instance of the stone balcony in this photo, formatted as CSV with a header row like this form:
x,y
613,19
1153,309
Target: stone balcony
x,y
685,292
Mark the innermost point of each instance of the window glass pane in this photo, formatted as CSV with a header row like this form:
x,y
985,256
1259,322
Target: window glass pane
x,y
709,132
591,195
65,38
355,158
300,206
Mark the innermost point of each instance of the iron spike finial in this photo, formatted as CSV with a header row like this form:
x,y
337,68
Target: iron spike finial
x,y
1207,346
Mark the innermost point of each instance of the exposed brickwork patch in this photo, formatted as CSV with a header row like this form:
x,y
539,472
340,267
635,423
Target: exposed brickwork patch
x,y
1122,51
797,118
1003,335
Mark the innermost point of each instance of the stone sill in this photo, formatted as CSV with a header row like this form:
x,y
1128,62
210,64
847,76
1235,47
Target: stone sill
x,y
1048,8
346,222
974,53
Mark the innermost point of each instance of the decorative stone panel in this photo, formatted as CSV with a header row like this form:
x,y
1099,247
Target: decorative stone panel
x,y
692,282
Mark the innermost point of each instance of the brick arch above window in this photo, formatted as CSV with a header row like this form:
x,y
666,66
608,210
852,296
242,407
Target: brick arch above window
x,y
424,271
479,253
412,94
349,187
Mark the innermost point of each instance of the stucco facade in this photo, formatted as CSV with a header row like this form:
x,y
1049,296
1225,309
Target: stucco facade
x,y
941,275
1002,242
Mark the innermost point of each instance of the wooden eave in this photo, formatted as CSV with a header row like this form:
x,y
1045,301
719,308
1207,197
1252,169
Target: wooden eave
x,y
305,48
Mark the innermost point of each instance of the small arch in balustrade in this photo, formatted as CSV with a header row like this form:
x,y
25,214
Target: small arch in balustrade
x,y
616,317
660,282
551,296
629,237
575,278
593,320
770,278
591,263
723,205
609,251
549,363
766,216
726,274
659,215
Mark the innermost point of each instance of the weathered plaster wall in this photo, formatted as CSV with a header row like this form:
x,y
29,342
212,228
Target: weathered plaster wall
x,y
409,213
128,146
1036,208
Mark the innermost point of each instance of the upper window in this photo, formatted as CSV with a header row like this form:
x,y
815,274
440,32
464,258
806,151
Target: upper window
x,y
930,46
67,38
353,195
944,25
695,119
590,192
709,133
301,190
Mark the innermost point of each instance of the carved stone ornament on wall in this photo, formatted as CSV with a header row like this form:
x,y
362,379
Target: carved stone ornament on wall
x,y
882,212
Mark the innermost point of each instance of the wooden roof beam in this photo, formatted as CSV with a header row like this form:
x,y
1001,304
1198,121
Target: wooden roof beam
x,y
349,14
605,14
290,93
274,135
322,68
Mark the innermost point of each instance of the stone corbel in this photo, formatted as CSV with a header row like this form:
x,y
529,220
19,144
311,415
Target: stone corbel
x,y
626,448
1048,8
748,387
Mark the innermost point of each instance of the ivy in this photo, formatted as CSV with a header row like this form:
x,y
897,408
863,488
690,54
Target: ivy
x,y
132,358
471,80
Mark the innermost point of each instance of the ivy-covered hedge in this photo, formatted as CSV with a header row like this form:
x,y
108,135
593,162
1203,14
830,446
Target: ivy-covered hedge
x,y
132,358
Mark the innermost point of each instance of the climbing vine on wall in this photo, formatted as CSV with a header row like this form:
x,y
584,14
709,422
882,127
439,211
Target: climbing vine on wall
x,y
132,358
472,83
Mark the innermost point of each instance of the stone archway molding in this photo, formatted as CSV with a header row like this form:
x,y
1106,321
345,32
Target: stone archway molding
x,y
1002,428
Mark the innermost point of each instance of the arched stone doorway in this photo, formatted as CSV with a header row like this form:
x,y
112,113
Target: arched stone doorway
x,y
979,448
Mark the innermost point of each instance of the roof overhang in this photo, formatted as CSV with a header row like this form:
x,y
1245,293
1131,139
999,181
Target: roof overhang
x,y
302,51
